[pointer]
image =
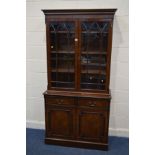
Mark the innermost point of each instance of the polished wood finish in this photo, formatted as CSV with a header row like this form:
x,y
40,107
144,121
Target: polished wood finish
x,y
92,125
60,101
76,107
93,102
60,122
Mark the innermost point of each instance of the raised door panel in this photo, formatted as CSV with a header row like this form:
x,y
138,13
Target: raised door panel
x,y
92,125
60,122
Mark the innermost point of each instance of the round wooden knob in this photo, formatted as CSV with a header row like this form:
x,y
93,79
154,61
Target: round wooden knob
x,y
76,39
92,104
59,101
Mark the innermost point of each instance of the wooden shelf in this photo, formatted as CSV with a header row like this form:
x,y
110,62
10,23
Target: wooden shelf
x,y
62,82
93,72
62,52
63,70
69,59
93,52
93,64
93,83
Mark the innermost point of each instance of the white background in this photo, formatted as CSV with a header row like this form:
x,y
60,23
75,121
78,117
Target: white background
x,y
37,68
13,89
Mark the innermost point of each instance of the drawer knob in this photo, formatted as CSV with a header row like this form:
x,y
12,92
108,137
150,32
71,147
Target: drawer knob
x,y
92,104
59,101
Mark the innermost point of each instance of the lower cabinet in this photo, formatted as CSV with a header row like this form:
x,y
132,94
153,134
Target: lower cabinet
x,y
77,122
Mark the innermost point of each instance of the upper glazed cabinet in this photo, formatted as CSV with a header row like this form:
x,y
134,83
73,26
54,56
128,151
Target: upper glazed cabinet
x,y
79,51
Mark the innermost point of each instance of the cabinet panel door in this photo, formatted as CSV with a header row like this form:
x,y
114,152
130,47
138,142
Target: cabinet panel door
x,y
60,122
94,51
92,125
62,54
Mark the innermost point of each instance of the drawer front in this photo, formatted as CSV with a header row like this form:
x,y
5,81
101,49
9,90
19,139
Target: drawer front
x,y
94,103
58,100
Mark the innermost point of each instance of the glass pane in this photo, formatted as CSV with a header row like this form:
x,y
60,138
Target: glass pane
x,y
93,54
62,54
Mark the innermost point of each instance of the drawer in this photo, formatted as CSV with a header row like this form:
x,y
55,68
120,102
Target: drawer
x,y
57,100
94,103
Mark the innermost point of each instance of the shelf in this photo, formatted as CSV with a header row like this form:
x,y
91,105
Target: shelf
x,y
93,72
68,59
62,82
92,86
93,64
63,70
93,52
63,52
93,83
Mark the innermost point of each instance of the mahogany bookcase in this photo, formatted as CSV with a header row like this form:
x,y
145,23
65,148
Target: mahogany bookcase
x,y
77,100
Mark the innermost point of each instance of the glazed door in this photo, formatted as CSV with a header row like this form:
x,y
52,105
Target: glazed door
x,y
94,54
62,54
